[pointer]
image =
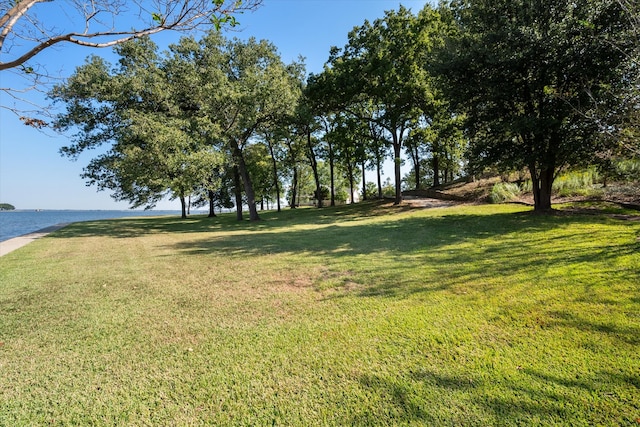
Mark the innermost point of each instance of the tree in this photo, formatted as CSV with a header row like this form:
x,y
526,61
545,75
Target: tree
x,y
28,27
544,84
240,89
259,162
259,91
139,110
295,150
272,139
383,64
306,126
349,152
416,149
320,101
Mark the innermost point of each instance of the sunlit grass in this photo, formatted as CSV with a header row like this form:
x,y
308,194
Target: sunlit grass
x,y
358,315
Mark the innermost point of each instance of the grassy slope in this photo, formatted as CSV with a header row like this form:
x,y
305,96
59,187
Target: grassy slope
x,y
365,315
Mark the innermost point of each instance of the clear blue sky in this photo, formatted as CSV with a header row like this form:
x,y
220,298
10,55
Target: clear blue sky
x,y
33,175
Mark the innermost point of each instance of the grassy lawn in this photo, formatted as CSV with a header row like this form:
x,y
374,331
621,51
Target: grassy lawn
x,y
358,315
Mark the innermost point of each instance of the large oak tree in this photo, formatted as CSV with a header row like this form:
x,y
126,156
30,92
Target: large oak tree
x,y
383,67
138,111
545,84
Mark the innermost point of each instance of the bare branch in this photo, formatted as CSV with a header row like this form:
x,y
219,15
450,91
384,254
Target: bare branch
x,y
29,27
155,16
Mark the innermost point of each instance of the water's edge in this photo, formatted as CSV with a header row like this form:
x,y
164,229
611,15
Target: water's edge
x,y
20,223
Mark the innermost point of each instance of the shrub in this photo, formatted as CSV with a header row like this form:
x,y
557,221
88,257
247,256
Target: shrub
x,y
628,170
576,183
504,192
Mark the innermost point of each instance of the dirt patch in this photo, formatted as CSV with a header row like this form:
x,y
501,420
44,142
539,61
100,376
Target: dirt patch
x,y
418,202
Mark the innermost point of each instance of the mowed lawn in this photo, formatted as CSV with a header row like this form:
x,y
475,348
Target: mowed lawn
x,y
358,315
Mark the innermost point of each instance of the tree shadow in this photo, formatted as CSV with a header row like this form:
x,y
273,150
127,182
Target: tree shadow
x,y
629,334
485,244
532,397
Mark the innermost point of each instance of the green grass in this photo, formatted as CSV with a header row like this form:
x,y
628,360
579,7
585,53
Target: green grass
x,y
358,315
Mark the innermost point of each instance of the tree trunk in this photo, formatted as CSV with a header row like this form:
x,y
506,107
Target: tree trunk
x,y
246,180
397,148
364,183
415,158
379,173
212,204
314,167
183,203
238,188
331,174
351,183
436,171
542,183
294,187
275,173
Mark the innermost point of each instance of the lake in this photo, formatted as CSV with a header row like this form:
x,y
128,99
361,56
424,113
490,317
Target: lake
x,y
19,222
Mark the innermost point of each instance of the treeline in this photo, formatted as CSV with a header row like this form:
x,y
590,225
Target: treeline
x,y
511,85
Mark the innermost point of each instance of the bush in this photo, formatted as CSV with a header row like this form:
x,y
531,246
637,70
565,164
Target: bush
x,y
577,183
504,192
628,170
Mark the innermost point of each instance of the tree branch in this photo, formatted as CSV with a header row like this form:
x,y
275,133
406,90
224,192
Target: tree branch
x,y
169,15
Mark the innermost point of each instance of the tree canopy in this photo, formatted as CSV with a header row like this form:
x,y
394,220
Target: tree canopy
x,y
170,120
470,85
544,85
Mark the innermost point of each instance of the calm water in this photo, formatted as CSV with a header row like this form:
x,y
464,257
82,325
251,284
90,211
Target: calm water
x,y
16,223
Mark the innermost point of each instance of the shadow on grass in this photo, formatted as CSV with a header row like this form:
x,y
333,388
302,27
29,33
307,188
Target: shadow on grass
x,y
533,397
135,227
271,220
476,246
629,334
464,247
413,399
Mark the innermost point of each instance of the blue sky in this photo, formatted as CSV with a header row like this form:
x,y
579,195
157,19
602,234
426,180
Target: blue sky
x,y
33,175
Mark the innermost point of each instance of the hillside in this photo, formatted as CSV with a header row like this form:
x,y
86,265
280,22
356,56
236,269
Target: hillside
x,y
624,194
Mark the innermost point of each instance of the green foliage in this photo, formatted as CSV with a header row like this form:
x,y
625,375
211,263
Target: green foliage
x,y
171,119
379,77
6,207
371,191
356,315
630,169
537,85
576,183
388,188
324,193
627,170
341,194
503,192
573,183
